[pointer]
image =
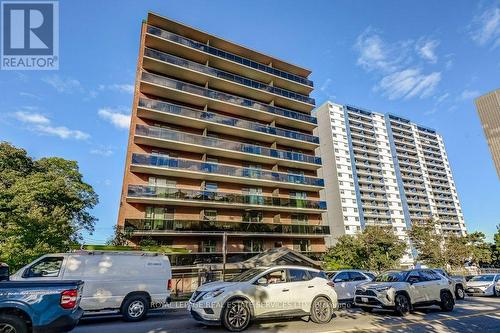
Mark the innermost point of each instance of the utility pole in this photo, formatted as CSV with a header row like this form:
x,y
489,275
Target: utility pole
x,y
224,250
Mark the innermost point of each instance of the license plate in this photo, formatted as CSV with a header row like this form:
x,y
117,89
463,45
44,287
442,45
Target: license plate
x,y
364,299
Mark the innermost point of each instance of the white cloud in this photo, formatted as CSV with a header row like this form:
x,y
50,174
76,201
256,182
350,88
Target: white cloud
x,y
485,27
33,118
394,64
62,132
469,94
408,83
63,84
116,117
42,125
122,88
102,151
426,49
442,98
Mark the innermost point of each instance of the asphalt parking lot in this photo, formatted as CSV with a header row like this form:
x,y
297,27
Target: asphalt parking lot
x,y
474,314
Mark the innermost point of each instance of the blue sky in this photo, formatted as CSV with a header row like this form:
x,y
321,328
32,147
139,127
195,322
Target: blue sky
x,y
424,60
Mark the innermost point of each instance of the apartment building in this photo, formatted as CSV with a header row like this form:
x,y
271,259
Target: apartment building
x,y
384,170
488,108
221,142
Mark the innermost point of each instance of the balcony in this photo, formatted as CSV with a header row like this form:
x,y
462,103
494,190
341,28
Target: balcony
x,y
192,71
167,112
199,198
178,167
170,139
204,228
162,86
188,48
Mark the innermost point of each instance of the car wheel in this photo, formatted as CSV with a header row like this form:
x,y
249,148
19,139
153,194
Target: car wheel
x,y
496,292
135,308
403,305
459,292
236,315
12,324
366,309
321,310
447,302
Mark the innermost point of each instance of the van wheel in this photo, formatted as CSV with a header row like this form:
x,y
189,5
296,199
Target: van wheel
x,y
447,302
236,315
12,324
135,308
403,305
321,310
459,292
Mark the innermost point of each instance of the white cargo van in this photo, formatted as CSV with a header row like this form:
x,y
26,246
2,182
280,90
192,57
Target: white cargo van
x,y
130,282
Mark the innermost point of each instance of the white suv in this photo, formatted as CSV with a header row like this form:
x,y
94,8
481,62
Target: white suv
x,y
265,292
404,290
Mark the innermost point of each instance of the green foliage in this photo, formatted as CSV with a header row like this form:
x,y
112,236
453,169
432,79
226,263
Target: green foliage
x,y
436,249
44,205
497,237
375,249
119,238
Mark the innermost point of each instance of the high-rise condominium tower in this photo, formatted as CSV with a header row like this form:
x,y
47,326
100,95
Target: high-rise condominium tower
x,y
384,170
488,107
221,141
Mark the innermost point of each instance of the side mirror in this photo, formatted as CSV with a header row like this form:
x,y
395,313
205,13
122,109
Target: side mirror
x,y
262,281
4,272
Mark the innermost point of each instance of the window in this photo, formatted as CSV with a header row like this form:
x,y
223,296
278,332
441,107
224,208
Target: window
x,y
341,277
161,182
428,275
356,276
208,245
413,277
298,195
211,187
252,216
321,274
300,218
278,276
210,214
47,267
253,245
302,245
297,275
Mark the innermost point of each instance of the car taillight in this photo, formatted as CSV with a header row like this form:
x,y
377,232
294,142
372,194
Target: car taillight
x,y
331,284
169,284
69,298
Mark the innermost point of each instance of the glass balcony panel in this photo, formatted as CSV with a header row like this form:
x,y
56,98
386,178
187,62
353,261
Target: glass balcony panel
x,y
167,134
144,191
213,94
226,55
221,226
165,57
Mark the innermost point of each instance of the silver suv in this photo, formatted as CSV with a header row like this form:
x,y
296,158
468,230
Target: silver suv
x,y
404,290
265,292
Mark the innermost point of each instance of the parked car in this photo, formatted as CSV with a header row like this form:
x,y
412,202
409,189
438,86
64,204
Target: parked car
x,y
265,292
39,306
402,291
459,283
129,282
484,285
346,281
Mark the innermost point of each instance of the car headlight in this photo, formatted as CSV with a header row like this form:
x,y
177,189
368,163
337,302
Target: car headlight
x,y
212,294
383,288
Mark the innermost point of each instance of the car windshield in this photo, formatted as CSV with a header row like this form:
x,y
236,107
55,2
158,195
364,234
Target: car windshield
x,y
248,275
391,277
482,278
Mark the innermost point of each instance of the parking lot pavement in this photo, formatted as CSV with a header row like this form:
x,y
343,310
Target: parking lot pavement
x,y
475,314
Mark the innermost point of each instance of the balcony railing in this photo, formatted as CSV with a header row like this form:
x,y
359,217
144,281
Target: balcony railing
x,y
226,75
228,56
214,94
224,120
158,192
220,169
167,134
149,225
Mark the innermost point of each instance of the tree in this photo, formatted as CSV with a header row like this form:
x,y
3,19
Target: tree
x,y
119,238
44,205
428,243
375,249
